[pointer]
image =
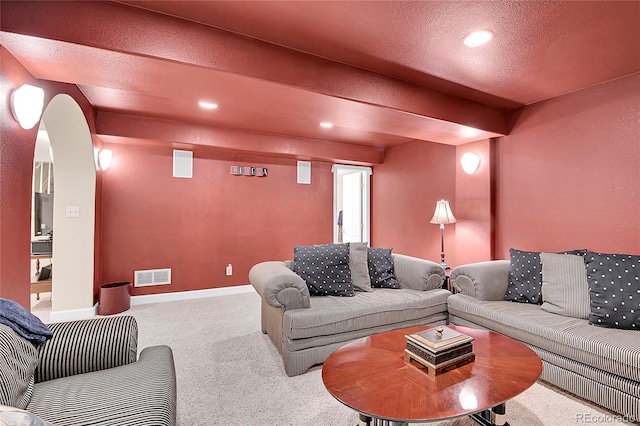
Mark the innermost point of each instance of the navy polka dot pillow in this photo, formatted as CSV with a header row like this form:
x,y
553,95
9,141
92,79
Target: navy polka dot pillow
x,y
381,268
614,287
325,269
525,277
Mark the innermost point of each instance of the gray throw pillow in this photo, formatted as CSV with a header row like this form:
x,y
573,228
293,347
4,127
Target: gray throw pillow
x,y
614,287
565,290
324,268
359,267
18,362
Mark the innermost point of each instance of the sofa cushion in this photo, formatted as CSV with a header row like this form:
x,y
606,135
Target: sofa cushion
x,y
359,267
18,361
565,290
381,268
612,350
332,315
142,393
614,287
324,268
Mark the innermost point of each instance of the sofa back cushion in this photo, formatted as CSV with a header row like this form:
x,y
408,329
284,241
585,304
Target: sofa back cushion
x,y
565,290
18,361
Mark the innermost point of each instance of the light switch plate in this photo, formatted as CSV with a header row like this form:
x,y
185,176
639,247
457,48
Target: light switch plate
x,y
72,211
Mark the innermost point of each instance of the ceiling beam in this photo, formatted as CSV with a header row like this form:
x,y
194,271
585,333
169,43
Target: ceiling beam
x,y
123,128
125,29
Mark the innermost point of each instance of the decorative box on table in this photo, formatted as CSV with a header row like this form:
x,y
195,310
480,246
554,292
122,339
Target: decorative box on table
x,y
439,349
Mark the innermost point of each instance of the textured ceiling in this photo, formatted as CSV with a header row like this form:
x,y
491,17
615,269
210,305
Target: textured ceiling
x,y
384,72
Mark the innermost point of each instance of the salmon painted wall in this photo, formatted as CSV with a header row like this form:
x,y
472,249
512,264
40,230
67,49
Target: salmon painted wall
x,y
404,192
474,206
568,174
197,226
16,158
16,173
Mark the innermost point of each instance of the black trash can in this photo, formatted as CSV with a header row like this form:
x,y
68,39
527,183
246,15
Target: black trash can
x,y
114,298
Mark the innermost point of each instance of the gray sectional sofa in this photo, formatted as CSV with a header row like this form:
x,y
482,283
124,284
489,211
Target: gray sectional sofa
x,y
596,363
89,373
306,330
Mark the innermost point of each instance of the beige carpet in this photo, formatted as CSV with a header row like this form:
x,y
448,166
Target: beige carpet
x,y
229,373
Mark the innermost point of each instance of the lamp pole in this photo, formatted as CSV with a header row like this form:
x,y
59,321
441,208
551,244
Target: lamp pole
x,y
442,262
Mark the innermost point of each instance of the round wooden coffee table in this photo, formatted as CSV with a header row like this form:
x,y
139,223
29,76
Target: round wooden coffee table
x,y
370,376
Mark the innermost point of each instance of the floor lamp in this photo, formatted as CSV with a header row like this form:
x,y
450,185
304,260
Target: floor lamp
x,y
443,216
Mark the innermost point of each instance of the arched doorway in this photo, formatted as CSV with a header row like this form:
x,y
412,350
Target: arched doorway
x,y
74,209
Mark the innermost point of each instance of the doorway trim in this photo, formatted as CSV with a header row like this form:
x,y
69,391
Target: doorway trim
x,y
339,169
74,237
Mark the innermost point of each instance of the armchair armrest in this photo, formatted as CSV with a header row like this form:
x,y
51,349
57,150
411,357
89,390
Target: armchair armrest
x,y
279,286
483,280
417,274
84,346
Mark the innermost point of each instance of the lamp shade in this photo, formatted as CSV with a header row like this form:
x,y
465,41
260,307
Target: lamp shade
x,y
443,214
26,105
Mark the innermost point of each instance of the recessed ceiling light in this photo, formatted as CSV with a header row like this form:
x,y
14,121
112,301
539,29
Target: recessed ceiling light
x,y
326,125
208,105
478,38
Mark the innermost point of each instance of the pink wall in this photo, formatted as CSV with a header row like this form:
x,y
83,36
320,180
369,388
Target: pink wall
x,y
197,226
474,206
568,174
405,189
16,155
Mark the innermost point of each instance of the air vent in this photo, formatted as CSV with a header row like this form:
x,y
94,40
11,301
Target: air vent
x,y
152,277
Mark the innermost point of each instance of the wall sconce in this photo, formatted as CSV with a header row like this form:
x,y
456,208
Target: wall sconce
x,y
470,162
104,159
26,105
443,216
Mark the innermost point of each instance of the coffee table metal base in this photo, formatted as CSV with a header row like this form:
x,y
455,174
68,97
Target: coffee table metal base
x,y
493,417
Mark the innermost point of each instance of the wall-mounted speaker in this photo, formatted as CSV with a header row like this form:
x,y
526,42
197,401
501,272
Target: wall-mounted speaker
x,y
304,172
182,164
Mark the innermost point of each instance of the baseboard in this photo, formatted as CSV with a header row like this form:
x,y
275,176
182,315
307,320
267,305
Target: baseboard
x,y
73,314
191,294
76,314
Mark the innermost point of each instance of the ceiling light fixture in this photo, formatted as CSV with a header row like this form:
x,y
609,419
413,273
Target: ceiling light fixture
x,y
208,105
26,105
478,38
326,125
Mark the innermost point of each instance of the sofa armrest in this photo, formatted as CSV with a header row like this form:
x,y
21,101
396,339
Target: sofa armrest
x,y
84,346
279,286
417,274
483,280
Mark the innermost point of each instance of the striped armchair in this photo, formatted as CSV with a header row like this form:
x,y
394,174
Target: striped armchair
x,y
88,374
